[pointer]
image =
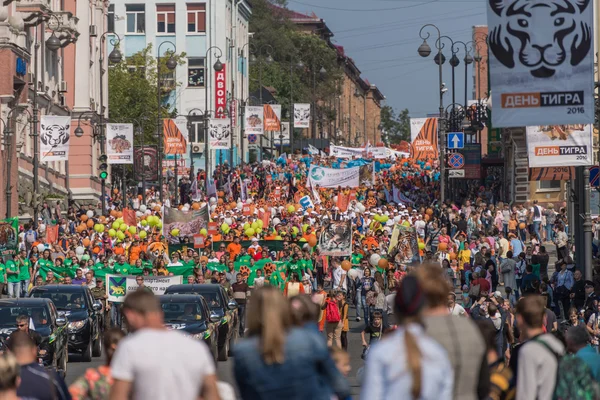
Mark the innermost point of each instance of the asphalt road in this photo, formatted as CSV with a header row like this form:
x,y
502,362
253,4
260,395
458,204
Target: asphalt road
x,y
76,367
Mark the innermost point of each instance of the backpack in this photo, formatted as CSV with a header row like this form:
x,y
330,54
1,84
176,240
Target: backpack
x,y
474,290
574,379
332,312
30,236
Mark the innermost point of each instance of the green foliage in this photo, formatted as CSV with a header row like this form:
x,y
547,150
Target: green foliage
x,y
396,126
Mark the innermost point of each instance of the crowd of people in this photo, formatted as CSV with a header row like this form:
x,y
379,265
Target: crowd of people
x,y
478,313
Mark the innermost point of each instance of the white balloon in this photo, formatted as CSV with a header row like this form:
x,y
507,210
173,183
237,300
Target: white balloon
x,y
248,201
276,221
185,209
143,208
229,221
212,200
335,199
240,205
148,212
79,250
213,208
353,274
374,260
89,214
397,218
139,214
41,247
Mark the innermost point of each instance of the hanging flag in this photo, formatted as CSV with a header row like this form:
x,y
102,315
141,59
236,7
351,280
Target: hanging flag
x,y
301,115
343,199
174,140
119,139
51,234
219,134
424,133
55,138
129,217
313,150
272,117
253,120
243,190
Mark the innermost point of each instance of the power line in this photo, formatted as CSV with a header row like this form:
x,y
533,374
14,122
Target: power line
x,y
363,9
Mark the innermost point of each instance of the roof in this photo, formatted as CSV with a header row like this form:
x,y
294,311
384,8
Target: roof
x,y
60,288
195,287
24,302
182,298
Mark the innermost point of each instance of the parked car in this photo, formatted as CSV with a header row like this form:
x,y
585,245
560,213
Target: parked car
x,y
84,313
45,320
222,306
190,314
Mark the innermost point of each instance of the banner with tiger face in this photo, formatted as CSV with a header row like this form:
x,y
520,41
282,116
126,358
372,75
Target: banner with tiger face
x,y
55,135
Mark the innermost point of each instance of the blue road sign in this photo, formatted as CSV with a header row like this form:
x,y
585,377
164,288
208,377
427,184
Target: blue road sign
x,y
595,176
252,138
456,140
456,160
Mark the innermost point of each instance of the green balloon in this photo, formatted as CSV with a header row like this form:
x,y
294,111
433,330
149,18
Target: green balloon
x,y
260,223
115,225
120,235
144,222
123,227
143,234
254,225
246,226
225,227
203,232
132,230
249,232
112,233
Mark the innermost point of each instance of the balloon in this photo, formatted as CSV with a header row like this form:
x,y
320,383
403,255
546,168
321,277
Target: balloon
x,y
276,221
85,257
353,274
304,228
429,211
195,206
453,256
421,246
132,230
143,234
224,227
41,247
278,237
212,200
79,250
159,224
240,205
112,233
144,222
90,223
123,227
143,208
89,214
249,232
374,260
86,242
254,225
248,201
258,231
383,219
443,246
83,218
302,240
152,220
295,230
291,209
120,235
260,223
312,241
203,232
522,225
175,232
346,265
383,263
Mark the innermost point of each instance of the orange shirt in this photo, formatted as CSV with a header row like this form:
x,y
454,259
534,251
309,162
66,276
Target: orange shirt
x,y
234,249
119,251
512,224
134,254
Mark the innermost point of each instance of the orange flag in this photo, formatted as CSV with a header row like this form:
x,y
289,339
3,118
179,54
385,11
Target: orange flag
x,y
342,201
129,217
51,234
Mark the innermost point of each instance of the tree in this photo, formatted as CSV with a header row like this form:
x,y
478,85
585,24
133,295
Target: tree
x,y
396,126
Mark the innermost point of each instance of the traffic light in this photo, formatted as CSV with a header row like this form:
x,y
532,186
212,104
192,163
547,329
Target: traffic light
x,y
103,173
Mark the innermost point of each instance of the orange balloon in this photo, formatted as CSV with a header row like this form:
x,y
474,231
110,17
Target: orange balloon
x,y
312,241
180,207
195,206
429,211
119,214
383,263
453,256
346,265
90,223
522,225
443,246
80,228
140,197
113,213
220,201
220,193
86,242
83,218
102,219
427,217
115,191
157,208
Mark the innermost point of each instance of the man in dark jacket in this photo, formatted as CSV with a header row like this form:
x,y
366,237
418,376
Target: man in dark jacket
x,y
578,291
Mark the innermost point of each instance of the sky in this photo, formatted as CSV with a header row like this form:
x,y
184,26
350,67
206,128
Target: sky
x,y
382,37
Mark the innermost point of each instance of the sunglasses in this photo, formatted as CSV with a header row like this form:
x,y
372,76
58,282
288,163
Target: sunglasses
x,y
21,325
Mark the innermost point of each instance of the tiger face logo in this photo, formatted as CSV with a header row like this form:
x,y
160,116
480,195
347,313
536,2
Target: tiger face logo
x,y
302,114
54,135
220,131
541,34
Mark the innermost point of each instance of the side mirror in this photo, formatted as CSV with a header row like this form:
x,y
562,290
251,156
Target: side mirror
x,y
97,306
232,305
214,317
61,321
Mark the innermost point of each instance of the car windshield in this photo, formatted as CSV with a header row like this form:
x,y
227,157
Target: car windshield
x,y
182,311
212,299
38,316
62,301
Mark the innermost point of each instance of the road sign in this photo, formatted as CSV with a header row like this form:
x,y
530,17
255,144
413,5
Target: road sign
x,y
456,140
595,176
456,173
252,138
456,160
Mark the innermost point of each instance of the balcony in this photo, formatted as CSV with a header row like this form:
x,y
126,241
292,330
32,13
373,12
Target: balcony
x,y
64,25
34,11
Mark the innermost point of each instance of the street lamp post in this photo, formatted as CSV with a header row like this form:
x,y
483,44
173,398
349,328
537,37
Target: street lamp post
x,y
140,133
218,66
171,65
299,66
424,51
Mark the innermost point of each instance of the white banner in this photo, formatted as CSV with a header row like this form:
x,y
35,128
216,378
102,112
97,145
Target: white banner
x,y
253,120
301,115
350,152
331,177
119,143
284,135
560,145
541,62
55,134
117,286
219,134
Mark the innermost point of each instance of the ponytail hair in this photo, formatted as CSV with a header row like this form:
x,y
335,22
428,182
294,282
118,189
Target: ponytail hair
x,y
413,359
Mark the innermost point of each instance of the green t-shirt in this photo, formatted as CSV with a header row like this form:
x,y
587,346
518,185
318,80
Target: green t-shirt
x,y
2,273
122,269
295,267
44,264
11,266
356,259
24,266
68,263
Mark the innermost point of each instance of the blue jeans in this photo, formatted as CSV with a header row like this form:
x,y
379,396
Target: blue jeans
x,y
24,287
362,300
549,232
523,234
505,229
536,229
242,315
115,314
14,289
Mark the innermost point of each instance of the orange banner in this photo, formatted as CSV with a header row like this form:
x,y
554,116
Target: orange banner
x,y
272,117
425,145
343,200
174,141
51,234
551,174
129,217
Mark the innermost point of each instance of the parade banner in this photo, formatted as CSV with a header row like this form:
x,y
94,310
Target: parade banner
x,y
336,239
9,236
55,138
351,152
253,120
332,178
424,136
219,134
146,163
117,286
177,224
301,115
560,145
541,62
174,140
120,143
272,117
404,246
221,92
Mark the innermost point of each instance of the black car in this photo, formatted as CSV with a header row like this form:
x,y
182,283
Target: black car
x,y
222,306
190,314
45,320
83,312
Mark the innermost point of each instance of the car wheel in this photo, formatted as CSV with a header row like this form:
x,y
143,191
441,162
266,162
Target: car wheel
x,y
97,350
232,341
87,354
224,351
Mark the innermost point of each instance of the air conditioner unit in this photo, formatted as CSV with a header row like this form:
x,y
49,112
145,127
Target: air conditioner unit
x,y
63,87
93,31
197,148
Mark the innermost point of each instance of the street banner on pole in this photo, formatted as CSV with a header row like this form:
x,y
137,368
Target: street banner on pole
x,y
219,134
9,236
560,145
174,140
119,138
55,138
424,137
117,286
272,117
253,120
541,62
221,92
301,115
336,239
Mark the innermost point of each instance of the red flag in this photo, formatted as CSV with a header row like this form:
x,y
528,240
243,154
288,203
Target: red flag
x,y
51,234
342,201
129,217
265,217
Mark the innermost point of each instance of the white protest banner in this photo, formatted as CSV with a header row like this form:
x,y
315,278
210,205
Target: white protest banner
x,y
117,286
541,62
253,120
350,152
301,115
54,138
560,145
119,139
219,134
330,177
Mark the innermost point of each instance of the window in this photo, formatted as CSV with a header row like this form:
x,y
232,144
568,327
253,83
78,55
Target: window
x,y
196,72
196,18
165,17
549,185
136,18
111,18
